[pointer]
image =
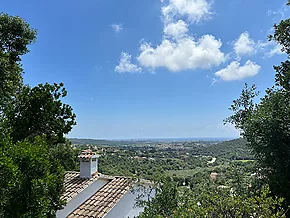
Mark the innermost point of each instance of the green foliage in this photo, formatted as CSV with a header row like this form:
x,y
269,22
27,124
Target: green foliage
x,y
31,175
31,181
146,164
218,202
66,155
182,163
233,149
209,200
282,36
8,180
27,112
15,36
266,125
165,201
39,111
243,107
269,134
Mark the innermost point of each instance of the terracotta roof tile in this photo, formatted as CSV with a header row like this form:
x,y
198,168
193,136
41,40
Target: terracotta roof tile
x,y
74,184
100,203
87,154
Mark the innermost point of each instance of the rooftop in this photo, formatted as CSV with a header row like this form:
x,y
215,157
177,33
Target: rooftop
x,y
74,184
100,203
87,154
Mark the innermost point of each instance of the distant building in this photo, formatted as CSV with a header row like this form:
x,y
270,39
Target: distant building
x,y
91,194
213,175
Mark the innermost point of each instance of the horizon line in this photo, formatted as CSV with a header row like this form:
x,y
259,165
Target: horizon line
x,y
157,138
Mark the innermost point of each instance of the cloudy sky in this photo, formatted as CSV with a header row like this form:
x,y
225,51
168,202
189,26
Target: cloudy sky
x,y
151,68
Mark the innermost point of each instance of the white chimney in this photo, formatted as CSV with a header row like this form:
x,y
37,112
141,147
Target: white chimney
x,y
88,163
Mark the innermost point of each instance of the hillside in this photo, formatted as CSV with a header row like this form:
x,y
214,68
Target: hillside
x,y
233,149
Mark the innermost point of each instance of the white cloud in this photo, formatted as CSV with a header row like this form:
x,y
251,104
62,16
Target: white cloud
x,y
262,45
270,48
236,72
244,45
195,10
214,81
182,54
178,50
275,50
125,64
176,30
117,27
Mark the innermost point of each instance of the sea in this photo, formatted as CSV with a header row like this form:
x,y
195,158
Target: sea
x,y
176,139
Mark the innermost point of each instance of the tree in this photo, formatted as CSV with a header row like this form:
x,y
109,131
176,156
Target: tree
x,y
31,181
164,202
67,156
15,36
32,123
39,111
8,180
214,202
207,200
28,112
266,125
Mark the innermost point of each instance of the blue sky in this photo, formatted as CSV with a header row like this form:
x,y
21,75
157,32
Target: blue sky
x,y
151,68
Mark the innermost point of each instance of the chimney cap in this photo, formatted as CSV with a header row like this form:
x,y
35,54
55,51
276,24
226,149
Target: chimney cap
x,y
87,154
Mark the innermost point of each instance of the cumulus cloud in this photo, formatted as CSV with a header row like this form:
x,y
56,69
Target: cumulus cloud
x,y
117,27
125,64
178,50
183,54
176,30
236,72
194,10
244,45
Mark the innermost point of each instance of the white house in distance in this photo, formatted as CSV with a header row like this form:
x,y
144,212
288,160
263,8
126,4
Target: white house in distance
x,y
91,194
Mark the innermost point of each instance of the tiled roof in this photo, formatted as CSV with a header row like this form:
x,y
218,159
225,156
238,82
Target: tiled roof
x,y
87,154
99,204
74,184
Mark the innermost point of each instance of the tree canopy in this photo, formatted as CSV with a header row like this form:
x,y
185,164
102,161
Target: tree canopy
x,y
33,121
207,201
31,180
266,125
39,111
15,37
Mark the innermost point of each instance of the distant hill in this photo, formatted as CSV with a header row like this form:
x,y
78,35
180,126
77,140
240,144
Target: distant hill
x,y
233,149
103,142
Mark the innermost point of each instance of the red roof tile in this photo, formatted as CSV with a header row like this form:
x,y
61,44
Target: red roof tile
x,y
99,204
87,154
74,184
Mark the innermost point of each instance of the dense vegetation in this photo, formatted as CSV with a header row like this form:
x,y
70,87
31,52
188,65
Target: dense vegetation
x,y
33,121
266,125
181,161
